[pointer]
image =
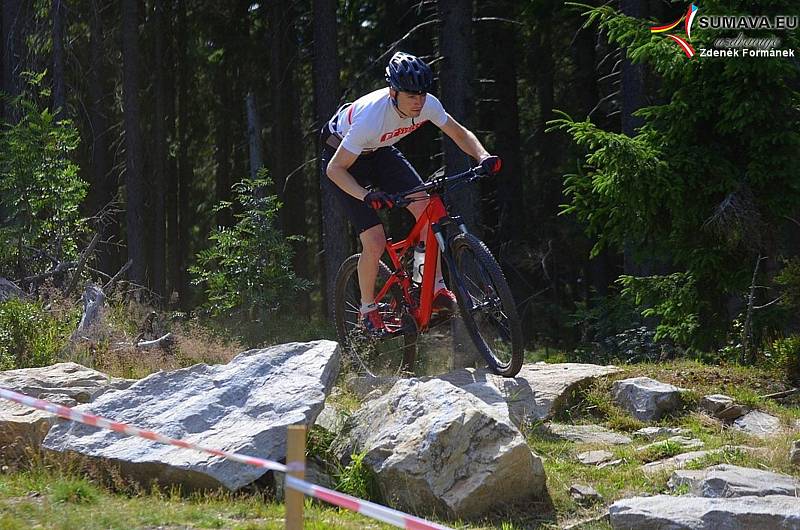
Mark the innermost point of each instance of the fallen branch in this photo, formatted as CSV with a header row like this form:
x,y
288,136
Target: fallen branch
x,y
165,342
118,274
82,263
61,267
779,395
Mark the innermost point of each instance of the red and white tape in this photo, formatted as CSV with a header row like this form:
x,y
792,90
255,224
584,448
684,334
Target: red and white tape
x,y
103,423
370,509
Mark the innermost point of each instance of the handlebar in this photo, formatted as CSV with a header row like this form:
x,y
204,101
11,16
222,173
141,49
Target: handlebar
x,y
401,199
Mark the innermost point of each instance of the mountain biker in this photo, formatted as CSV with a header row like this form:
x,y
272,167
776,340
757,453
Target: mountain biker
x,y
358,156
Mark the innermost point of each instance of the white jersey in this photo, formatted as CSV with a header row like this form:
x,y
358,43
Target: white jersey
x,y
372,121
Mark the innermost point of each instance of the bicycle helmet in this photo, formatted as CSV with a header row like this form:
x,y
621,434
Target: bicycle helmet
x,y
408,73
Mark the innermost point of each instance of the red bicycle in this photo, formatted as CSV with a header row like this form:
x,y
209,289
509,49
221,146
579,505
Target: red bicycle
x,y
485,303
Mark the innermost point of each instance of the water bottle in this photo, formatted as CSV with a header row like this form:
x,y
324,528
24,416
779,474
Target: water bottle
x,y
419,262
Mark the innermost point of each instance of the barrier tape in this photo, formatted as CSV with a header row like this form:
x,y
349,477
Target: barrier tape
x,y
103,423
369,509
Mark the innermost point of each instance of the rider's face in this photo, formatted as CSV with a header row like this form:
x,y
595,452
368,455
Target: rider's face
x,y
410,104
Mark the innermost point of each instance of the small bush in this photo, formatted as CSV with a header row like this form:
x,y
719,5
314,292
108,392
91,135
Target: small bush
x,y
248,267
29,335
357,479
75,491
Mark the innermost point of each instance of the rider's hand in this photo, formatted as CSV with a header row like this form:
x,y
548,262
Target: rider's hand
x,y
378,199
491,164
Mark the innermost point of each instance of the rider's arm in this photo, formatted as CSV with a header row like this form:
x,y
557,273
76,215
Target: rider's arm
x,y
337,172
464,139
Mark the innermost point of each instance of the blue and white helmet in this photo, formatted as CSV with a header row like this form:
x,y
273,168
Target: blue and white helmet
x,y
408,73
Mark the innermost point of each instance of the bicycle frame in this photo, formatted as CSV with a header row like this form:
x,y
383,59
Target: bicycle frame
x,y
431,218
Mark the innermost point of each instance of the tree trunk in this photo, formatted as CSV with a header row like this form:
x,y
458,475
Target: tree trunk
x,y
59,94
158,251
254,135
14,23
185,168
224,140
287,137
334,234
104,182
173,233
455,78
632,99
134,184
508,143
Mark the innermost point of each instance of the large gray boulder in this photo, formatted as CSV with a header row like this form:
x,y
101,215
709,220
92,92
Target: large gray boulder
x,y
667,512
725,480
539,392
645,398
437,449
244,406
67,384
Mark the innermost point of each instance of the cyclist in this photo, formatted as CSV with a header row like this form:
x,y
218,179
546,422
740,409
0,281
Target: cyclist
x,y
359,157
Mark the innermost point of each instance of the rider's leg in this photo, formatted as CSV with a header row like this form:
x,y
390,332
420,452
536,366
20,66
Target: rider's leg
x,y
373,243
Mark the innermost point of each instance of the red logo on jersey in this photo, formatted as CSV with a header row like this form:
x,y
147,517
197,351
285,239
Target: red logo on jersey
x,y
400,131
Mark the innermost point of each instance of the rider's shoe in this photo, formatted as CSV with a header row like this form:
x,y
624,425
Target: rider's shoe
x,y
444,302
373,323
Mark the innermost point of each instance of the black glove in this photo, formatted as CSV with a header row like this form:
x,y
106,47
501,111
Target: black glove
x,y
378,199
492,164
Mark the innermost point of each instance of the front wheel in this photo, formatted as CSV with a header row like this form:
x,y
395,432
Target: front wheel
x,y
486,305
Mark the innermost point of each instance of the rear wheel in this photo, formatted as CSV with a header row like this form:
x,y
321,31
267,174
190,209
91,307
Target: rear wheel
x,y
486,305
390,355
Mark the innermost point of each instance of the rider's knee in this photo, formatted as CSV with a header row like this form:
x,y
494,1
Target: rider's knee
x,y
373,240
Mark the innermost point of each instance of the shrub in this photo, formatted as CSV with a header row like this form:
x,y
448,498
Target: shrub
x,y
29,335
40,190
248,266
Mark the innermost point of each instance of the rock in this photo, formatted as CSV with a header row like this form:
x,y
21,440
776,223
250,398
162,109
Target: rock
x,y
587,434
435,448
759,424
610,463
244,406
725,480
651,433
67,384
732,412
539,392
679,461
370,386
330,419
684,441
9,290
645,398
715,403
696,513
592,458
794,453
585,495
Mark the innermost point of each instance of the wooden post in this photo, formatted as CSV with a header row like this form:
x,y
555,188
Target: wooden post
x,y
295,454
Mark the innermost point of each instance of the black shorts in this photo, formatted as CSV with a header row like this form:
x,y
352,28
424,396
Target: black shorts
x,y
385,169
